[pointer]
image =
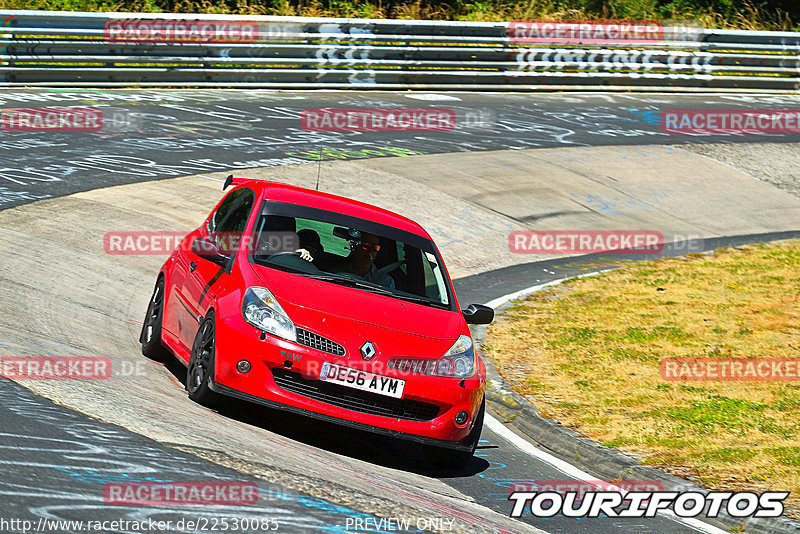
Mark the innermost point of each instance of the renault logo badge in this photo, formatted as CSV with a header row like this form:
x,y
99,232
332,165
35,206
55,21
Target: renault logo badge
x,y
368,350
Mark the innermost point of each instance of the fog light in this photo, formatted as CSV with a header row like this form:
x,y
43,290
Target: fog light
x,y
243,366
462,417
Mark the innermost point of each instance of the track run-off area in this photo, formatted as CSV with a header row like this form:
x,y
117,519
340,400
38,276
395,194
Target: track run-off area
x,y
513,162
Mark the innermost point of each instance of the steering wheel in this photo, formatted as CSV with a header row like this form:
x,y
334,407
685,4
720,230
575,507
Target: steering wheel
x,y
293,260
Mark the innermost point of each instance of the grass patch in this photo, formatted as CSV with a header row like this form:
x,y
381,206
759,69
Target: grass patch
x,y
588,354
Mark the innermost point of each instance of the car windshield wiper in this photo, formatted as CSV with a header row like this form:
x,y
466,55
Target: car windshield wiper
x,y
327,277
352,282
422,300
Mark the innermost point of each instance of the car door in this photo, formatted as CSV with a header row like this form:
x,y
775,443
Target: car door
x,y
175,303
204,276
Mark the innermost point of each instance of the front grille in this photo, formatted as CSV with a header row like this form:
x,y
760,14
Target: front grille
x,y
353,399
316,341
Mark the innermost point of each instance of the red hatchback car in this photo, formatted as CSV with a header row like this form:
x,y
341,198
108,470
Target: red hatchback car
x,y
326,307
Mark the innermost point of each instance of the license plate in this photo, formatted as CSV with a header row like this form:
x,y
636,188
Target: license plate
x,y
357,379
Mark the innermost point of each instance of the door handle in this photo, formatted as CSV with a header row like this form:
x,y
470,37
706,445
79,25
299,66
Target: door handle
x,y
192,266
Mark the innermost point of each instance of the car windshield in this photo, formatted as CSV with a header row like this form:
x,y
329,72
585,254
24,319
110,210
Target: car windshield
x,y
349,251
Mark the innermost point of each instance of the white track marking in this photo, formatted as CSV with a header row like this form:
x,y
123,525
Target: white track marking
x,y
431,97
533,289
207,177
565,467
571,471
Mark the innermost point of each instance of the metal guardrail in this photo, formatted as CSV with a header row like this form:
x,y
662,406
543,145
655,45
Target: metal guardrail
x,y
73,49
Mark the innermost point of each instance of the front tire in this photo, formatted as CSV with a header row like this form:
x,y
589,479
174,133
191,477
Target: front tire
x,y
150,338
439,457
201,365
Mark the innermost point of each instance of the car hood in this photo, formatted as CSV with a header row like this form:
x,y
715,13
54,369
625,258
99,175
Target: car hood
x,y
352,316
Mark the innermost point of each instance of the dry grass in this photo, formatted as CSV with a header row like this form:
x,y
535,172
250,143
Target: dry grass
x,y
587,353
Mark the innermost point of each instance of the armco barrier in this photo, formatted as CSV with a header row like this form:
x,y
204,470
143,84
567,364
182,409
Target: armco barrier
x,y
71,49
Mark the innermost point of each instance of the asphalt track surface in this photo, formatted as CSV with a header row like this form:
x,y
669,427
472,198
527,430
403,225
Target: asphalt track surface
x,y
56,460
56,463
149,135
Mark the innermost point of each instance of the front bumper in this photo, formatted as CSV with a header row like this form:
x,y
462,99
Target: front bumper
x,y
229,392
237,340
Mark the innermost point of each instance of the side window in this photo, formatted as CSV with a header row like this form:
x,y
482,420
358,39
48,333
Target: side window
x,y
329,242
228,222
434,279
401,256
233,212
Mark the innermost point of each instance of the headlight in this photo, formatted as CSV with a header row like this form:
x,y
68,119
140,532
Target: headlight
x,y
458,362
261,309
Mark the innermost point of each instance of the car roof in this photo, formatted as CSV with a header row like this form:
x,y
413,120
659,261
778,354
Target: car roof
x,y
282,192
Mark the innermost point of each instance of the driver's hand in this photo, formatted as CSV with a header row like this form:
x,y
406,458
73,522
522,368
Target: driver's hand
x,y
304,254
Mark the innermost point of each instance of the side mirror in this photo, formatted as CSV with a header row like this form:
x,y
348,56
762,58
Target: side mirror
x,y
478,314
207,249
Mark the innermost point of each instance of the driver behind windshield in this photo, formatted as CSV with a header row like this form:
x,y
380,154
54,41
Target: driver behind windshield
x,y
361,261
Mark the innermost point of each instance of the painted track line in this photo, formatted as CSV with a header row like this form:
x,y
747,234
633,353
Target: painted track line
x,y
574,472
562,465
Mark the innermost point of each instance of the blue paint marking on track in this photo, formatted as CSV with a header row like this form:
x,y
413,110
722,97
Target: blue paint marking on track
x,y
650,116
336,509
91,476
